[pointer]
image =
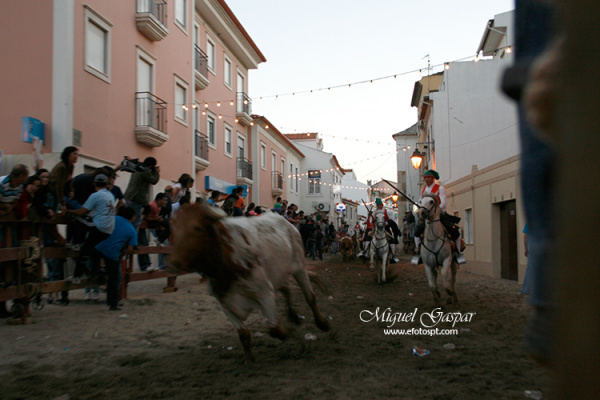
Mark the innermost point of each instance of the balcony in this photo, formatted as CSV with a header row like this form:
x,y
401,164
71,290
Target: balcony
x,y
201,151
244,171
150,119
243,109
200,68
276,183
151,19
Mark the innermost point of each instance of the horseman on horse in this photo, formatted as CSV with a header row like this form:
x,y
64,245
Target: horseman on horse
x,y
391,228
449,221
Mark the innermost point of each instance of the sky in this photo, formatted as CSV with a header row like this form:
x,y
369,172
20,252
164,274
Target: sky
x,y
318,45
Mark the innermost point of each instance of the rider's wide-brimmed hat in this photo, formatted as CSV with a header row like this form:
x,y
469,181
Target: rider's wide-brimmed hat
x,y
378,201
432,172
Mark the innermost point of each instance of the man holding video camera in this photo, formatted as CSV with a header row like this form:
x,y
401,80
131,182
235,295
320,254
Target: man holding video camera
x,y
137,194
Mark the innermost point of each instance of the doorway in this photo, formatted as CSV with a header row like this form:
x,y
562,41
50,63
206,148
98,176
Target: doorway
x,y
508,241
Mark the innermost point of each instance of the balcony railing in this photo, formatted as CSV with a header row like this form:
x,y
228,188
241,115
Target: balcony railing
x,y
201,145
276,183
200,61
244,103
151,119
151,18
276,180
244,168
243,108
201,68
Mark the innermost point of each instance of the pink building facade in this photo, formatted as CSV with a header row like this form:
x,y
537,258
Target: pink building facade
x,y
138,78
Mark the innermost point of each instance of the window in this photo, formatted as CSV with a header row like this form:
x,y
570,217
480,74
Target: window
x,y
181,107
227,72
273,162
291,177
211,53
263,156
97,45
296,186
210,130
314,182
468,233
241,146
227,140
282,167
181,12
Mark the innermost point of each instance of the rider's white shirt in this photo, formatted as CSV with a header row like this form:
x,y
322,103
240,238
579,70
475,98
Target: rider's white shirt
x,y
441,193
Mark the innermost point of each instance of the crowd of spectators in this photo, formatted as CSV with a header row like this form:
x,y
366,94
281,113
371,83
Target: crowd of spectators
x,y
103,223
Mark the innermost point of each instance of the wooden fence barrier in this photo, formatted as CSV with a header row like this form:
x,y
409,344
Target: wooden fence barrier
x,y
22,268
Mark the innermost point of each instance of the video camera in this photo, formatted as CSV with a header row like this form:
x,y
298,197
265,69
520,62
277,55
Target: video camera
x,y
132,165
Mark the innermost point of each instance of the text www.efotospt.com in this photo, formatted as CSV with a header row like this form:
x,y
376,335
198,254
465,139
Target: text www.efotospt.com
x,y
421,332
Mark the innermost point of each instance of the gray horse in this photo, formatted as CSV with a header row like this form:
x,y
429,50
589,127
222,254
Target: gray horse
x,y
379,250
436,250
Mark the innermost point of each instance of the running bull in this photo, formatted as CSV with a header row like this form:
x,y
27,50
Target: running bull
x,y
246,261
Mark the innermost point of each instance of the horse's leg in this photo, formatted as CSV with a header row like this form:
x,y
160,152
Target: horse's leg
x,y
432,279
371,257
384,258
448,273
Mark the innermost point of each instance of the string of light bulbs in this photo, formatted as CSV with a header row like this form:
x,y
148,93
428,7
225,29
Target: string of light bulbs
x,y
445,65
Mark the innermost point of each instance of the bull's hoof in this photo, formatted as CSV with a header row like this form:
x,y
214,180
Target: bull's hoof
x,y
278,332
295,318
323,324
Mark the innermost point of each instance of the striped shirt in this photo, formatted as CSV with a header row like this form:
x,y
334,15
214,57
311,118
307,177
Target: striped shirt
x,y
8,193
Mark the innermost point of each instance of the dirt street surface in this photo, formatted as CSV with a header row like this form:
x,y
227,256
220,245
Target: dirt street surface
x,y
180,346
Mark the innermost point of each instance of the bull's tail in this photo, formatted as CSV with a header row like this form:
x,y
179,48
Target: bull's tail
x,y
314,278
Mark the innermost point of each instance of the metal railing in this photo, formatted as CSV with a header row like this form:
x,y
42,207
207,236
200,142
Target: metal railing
x,y
276,180
158,8
150,111
200,61
201,145
244,168
244,103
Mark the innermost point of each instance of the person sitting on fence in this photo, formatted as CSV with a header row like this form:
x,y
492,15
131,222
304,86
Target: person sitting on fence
x,y
23,204
101,206
11,187
121,240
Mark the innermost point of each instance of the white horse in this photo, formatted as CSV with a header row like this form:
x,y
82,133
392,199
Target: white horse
x,y
379,249
436,250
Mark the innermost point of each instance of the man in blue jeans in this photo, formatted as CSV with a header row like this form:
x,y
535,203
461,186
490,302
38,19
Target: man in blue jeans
x,y
123,237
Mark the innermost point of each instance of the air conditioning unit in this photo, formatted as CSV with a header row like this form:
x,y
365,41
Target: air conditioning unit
x,y
322,207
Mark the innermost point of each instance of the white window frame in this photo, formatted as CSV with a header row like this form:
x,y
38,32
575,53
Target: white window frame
x,y
314,183
211,52
468,224
93,18
212,142
181,113
297,178
263,156
291,176
181,6
227,72
241,139
144,56
228,140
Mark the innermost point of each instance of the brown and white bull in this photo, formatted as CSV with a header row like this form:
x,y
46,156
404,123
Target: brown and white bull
x,y
246,261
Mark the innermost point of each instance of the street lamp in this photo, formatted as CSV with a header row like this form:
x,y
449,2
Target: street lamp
x,y
395,198
416,159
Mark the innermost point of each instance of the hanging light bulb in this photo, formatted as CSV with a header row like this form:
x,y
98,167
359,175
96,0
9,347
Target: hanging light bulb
x,y
220,116
205,105
218,104
231,102
509,49
446,66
